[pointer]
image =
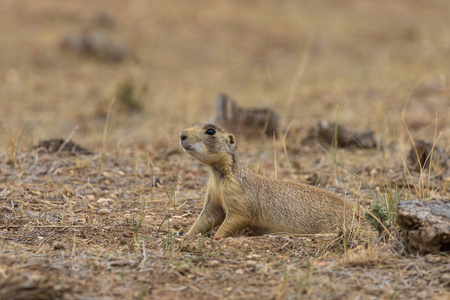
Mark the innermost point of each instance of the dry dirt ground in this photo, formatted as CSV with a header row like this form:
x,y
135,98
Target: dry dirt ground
x,y
123,78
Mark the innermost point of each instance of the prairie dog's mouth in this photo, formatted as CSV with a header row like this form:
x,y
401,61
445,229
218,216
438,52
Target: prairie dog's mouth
x,y
186,146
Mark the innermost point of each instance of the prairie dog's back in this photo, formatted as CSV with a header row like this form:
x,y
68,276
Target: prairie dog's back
x,y
283,206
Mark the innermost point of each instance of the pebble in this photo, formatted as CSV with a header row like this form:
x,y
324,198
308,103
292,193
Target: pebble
x,y
435,258
105,201
104,211
445,278
250,264
184,268
214,263
59,245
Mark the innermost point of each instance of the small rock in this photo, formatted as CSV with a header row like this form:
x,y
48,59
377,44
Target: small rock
x,y
96,44
184,268
428,223
435,258
105,201
214,263
104,211
59,245
320,263
445,278
250,263
422,295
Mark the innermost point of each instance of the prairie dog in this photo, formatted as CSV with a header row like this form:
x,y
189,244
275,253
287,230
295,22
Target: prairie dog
x,y
237,198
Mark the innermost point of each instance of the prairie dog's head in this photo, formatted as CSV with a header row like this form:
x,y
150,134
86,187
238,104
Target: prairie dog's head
x,y
209,144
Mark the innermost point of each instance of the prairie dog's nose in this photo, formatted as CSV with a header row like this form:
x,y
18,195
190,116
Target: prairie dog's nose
x,y
183,136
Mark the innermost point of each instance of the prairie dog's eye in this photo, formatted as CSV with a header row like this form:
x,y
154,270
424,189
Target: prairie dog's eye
x,y
210,131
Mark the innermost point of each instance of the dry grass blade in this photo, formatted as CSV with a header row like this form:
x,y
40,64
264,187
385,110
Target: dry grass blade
x,y
68,139
105,127
285,149
299,74
420,186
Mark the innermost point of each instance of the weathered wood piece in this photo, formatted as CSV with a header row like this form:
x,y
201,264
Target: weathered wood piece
x,y
236,118
326,133
423,153
58,145
428,223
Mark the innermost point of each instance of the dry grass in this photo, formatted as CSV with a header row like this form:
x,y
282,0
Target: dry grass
x,y
98,225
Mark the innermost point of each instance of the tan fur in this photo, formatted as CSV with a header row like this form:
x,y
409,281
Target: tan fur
x,y
237,198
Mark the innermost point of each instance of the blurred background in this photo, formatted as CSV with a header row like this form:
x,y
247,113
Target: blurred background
x,y
164,62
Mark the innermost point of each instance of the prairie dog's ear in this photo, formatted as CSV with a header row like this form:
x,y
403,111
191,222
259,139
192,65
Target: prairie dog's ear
x,y
231,139
231,143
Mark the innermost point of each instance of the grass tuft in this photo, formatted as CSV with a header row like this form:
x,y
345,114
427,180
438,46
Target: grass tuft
x,y
128,97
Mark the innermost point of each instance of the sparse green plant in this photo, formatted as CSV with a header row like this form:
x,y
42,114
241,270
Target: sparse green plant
x,y
168,245
167,216
200,244
381,214
138,226
127,96
395,294
213,250
305,282
390,199
141,294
